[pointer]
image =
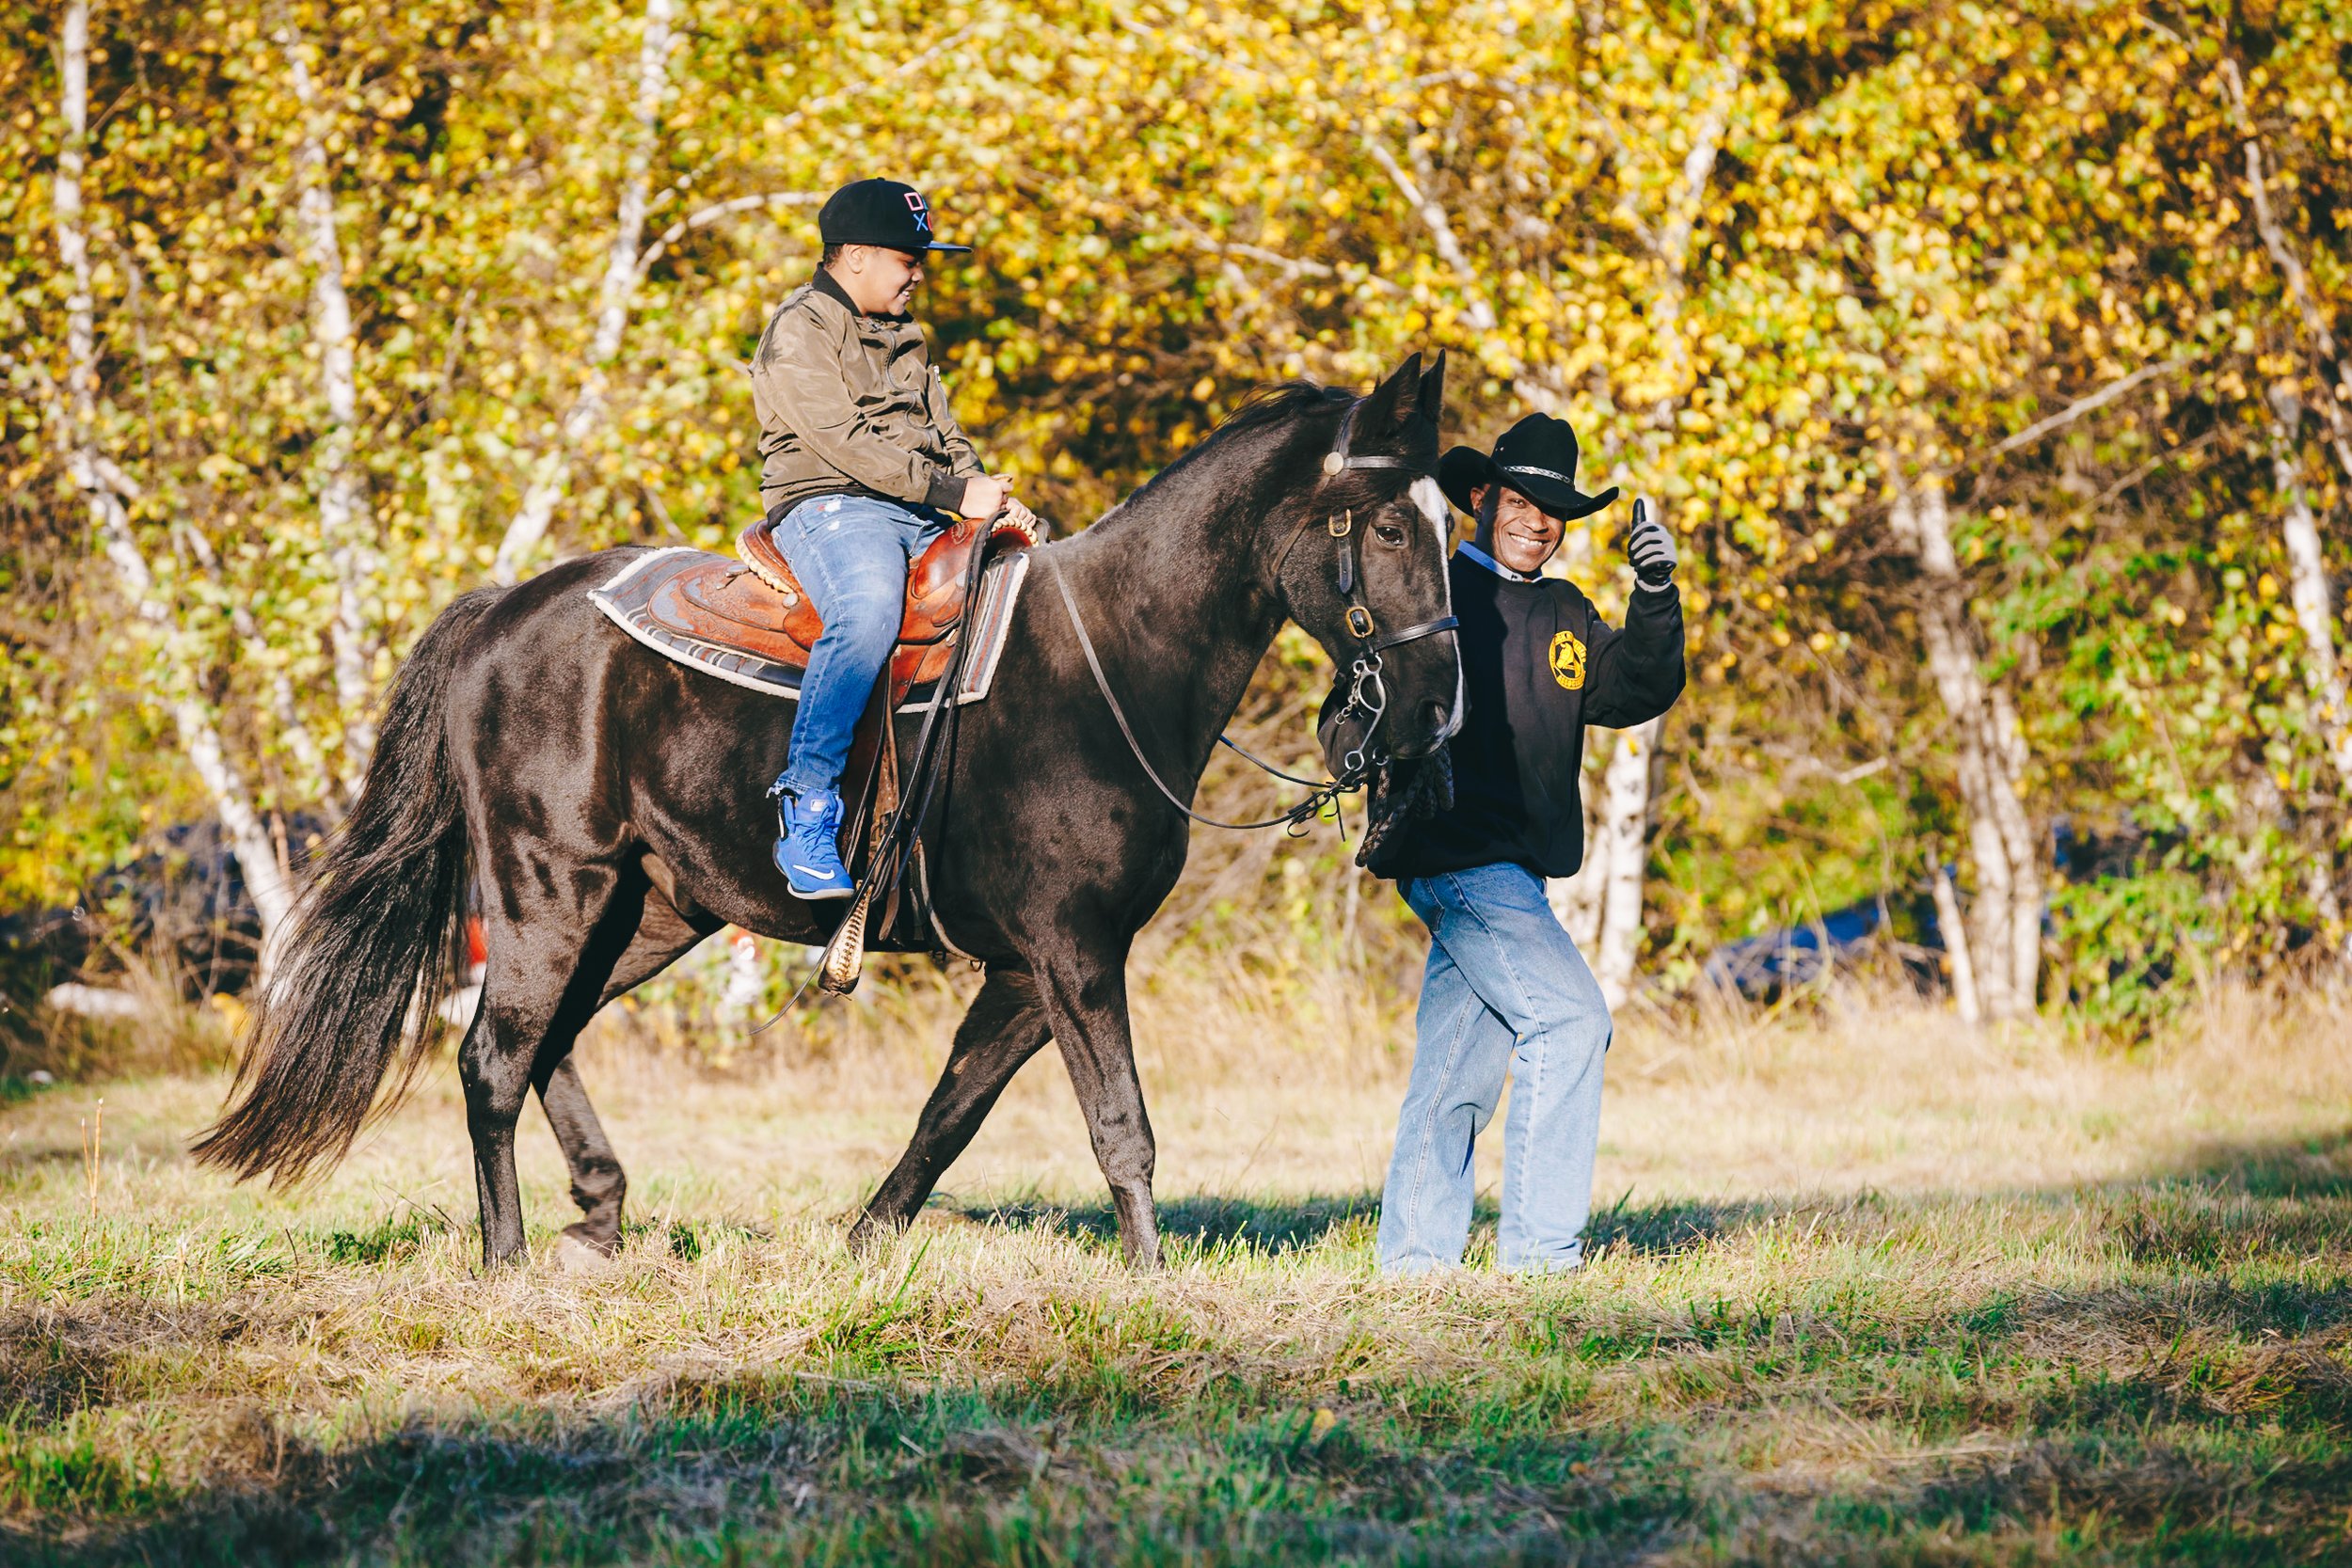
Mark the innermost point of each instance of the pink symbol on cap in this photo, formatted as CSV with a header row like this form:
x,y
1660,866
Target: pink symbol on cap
x,y
922,214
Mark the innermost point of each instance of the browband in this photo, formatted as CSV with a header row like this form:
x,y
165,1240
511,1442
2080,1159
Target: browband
x,y
1338,460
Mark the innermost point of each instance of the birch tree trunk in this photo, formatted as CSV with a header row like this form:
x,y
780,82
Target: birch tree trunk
x,y
550,476
343,498
1628,812
1954,927
2307,586
1988,756
1624,824
1576,900
106,493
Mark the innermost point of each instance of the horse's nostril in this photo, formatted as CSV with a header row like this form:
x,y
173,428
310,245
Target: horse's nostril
x,y
1433,714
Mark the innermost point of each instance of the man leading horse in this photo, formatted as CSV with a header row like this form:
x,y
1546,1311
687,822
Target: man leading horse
x,y
863,466
1506,991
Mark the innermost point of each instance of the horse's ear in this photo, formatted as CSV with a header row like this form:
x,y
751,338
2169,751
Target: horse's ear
x,y
1395,402
1431,403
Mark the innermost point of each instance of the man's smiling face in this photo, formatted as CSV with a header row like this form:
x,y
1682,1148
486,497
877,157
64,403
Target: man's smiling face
x,y
1522,536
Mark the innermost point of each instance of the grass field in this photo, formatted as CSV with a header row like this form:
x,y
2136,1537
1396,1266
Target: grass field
x,y
1868,1289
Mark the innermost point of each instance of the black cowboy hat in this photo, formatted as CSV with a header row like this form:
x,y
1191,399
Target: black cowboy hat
x,y
1537,457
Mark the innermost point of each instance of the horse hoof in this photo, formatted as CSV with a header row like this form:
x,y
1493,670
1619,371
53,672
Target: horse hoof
x,y
576,1255
869,1235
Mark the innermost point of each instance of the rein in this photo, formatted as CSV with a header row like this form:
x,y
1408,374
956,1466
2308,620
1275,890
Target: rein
x,y
1367,694
1296,819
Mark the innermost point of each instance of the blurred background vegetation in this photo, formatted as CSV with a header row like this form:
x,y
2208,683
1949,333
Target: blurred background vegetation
x,y
1984,356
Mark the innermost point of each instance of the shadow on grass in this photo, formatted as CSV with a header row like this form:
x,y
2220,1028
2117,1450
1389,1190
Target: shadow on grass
x,y
1425,1473
1669,1228
2293,1197
1209,1223
1288,1225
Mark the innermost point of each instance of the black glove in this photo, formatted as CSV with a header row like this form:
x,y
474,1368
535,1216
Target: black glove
x,y
1402,793
1650,547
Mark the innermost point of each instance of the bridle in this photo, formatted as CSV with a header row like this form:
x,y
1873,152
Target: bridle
x,y
1368,693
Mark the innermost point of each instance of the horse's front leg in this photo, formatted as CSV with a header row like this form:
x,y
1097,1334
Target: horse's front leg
x,y
1086,1003
1003,1028
598,1183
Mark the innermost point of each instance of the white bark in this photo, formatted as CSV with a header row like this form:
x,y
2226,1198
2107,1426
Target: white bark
x,y
101,485
1954,927
2321,337
1624,823
1626,818
1576,900
2307,589
1479,311
342,499
550,476
1988,756
2022,840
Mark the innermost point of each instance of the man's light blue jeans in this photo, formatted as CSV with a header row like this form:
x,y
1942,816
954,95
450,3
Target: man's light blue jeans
x,y
851,553
1505,990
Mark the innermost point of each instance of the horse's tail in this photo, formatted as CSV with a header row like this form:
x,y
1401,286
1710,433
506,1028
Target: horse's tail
x,y
370,952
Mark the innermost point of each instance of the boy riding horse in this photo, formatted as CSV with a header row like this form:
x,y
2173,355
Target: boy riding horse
x,y
863,468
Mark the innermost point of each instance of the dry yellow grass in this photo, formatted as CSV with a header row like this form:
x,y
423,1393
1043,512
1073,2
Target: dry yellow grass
x,y
1881,1289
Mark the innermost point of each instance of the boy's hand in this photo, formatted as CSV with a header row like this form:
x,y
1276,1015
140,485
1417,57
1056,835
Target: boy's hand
x,y
984,495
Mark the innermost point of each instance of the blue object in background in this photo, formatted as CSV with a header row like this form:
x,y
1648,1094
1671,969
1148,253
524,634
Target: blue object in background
x,y
1761,967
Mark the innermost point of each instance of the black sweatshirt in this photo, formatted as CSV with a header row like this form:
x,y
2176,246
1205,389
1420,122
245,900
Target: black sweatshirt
x,y
1538,664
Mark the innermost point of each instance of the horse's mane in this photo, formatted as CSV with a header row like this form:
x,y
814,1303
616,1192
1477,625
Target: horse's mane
x,y
1265,405
1283,399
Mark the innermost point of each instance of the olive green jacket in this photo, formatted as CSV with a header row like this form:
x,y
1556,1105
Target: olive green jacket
x,y
850,405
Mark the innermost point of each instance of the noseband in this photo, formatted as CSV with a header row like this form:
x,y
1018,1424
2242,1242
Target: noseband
x,y
1367,694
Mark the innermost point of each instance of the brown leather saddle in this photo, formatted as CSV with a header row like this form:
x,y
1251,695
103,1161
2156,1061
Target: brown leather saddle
x,y
934,607
750,623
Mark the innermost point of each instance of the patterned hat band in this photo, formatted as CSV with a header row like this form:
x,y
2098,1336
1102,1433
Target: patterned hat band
x,y
1568,480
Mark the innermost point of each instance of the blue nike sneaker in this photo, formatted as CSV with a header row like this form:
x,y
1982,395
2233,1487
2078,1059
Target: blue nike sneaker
x,y
805,852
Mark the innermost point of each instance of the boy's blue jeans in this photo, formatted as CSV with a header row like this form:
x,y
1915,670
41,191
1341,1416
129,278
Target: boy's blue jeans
x,y
1505,990
851,553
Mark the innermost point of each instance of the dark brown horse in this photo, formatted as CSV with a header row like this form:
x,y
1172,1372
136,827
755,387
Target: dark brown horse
x,y
607,803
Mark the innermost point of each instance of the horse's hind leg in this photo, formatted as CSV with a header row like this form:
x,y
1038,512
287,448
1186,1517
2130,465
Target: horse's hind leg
x,y
555,932
663,935
1003,1028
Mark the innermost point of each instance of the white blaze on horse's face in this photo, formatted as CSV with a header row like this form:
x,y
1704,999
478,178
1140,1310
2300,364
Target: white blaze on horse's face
x,y
1431,500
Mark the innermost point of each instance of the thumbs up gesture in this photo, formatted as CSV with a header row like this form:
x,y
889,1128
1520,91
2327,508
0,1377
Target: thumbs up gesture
x,y
1649,544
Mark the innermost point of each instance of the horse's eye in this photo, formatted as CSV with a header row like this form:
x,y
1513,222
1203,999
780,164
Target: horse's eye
x,y
1389,534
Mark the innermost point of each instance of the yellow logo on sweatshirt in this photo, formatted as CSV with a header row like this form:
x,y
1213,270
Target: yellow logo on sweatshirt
x,y
1568,661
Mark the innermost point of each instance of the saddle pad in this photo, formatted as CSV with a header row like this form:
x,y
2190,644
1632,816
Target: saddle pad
x,y
669,599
